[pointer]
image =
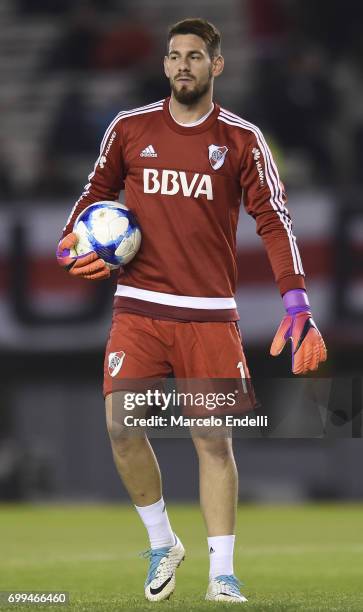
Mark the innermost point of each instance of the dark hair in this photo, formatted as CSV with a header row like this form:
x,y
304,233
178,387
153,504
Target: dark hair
x,y
202,28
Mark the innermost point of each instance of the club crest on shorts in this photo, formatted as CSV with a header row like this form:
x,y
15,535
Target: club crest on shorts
x,y
115,361
217,155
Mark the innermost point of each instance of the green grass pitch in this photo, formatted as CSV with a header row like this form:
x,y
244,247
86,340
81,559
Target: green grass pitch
x,y
289,558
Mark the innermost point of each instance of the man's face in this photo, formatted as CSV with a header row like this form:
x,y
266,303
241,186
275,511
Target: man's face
x,y
189,68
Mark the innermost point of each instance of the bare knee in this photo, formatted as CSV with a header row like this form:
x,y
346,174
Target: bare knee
x,y
114,420
216,448
126,449
124,440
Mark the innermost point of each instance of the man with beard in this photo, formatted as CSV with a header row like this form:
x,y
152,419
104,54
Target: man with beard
x,y
184,164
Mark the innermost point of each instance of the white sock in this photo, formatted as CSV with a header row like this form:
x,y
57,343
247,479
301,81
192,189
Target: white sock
x,y
156,521
221,555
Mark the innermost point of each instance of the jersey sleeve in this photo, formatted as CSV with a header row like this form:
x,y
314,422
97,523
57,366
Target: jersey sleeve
x,y
265,199
107,178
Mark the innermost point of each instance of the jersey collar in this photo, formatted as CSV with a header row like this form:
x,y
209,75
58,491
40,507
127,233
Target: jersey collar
x,y
189,130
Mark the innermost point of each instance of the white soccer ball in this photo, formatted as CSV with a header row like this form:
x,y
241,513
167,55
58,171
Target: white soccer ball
x,y
111,230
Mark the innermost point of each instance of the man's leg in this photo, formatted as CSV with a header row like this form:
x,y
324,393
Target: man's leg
x,y
139,471
134,351
218,486
216,353
133,456
218,482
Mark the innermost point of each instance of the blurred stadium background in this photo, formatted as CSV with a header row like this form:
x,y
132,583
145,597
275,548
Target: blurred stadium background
x,y
66,68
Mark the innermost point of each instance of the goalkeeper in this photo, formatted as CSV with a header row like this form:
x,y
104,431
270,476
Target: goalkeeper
x,y
186,164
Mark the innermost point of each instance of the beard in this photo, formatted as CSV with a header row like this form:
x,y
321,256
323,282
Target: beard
x,y
191,96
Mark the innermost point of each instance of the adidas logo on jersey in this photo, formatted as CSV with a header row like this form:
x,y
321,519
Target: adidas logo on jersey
x,y
170,182
148,152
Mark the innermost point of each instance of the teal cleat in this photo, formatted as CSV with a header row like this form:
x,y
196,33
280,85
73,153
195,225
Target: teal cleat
x,y
160,581
225,588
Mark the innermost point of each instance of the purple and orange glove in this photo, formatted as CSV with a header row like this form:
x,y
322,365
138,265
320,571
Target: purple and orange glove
x,y
308,348
88,266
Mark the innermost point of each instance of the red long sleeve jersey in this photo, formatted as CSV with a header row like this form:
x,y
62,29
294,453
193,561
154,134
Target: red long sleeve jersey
x,y
185,184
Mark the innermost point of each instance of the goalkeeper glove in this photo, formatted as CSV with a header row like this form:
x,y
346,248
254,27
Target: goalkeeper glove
x,y
308,348
85,266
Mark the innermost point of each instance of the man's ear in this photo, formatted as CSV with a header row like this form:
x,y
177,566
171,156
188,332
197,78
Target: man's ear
x,y
218,65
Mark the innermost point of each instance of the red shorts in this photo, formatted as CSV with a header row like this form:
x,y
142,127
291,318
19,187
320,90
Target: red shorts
x,y
141,347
